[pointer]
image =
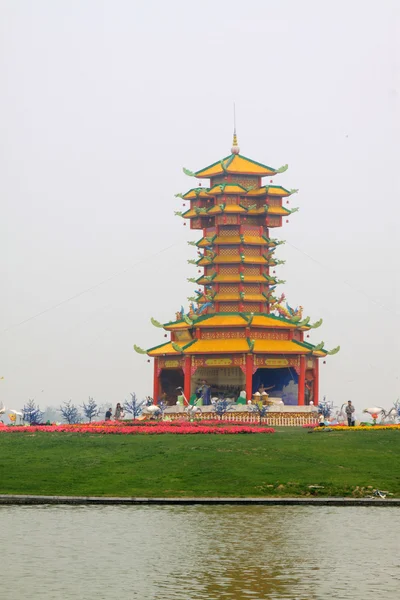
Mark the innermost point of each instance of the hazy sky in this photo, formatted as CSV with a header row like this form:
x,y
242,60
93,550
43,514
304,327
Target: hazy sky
x,y
103,103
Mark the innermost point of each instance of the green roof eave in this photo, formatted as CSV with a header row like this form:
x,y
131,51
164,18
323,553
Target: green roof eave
x,y
156,347
204,239
280,187
276,318
230,314
196,190
231,156
175,323
218,314
225,185
189,344
198,214
236,314
207,264
309,346
217,162
255,162
271,280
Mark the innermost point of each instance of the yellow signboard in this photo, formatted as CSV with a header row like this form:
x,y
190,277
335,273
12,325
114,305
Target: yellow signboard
x,y
218,362
276,362
171,363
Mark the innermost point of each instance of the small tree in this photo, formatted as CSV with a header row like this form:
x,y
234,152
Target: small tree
x,y
90,410
50,414
397,409
70,413
32,413
222,406
133,406
259,409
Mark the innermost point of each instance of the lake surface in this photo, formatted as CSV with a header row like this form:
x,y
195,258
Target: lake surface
x,y
199,552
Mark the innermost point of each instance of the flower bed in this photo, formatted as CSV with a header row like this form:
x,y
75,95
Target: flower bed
x,y
167,423
357,427
121,427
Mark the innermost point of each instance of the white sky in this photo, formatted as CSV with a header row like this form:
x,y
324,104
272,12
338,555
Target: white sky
x,y
101,105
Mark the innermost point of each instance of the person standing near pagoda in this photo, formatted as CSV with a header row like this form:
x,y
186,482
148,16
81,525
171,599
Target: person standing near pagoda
x,y
119,413
309,392
350,414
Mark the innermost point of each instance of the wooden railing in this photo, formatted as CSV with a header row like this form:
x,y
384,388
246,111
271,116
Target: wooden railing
x,y
280,419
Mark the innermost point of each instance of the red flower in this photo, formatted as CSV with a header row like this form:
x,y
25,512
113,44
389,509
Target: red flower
x,y
131,428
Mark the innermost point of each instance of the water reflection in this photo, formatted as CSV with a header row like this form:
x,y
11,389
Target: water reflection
x,y
195,553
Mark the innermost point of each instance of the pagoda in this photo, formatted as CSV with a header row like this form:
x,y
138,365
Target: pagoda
x,y
237,334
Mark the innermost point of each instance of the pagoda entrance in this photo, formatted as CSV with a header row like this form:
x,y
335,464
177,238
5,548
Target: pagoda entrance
x,y
283,381
226,382
170,379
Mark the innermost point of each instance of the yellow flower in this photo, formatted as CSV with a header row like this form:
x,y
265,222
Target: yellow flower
x,y
360,428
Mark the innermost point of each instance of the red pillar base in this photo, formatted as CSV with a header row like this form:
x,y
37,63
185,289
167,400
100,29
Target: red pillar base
x,y
316,382
187,378
156,383
302,381
249,376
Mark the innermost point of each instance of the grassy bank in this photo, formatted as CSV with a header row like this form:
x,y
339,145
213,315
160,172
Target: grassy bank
x,y
284,464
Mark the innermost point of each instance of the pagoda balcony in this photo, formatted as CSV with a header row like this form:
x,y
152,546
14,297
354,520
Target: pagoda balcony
x,y
228,320
234,278
249,240
236,209
224,260
270,190
236,297
229,209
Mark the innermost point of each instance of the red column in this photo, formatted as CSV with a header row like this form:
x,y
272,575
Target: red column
x,y
156,382
188,377
249,376
316,381
302,381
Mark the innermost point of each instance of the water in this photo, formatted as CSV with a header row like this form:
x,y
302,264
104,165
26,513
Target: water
x,y
193,553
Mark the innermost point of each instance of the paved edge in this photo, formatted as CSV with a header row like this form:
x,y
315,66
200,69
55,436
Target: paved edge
x,y
131,501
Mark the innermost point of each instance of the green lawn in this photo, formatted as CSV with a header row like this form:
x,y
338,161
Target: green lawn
x,y
282,464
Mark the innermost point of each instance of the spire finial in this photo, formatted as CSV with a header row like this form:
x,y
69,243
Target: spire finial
x,y
235,148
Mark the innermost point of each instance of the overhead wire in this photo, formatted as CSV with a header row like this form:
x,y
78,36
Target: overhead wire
x,y
145,259
90,289
347,283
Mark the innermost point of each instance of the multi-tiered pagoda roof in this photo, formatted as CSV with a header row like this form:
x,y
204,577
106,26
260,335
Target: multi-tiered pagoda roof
x,y
235,318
